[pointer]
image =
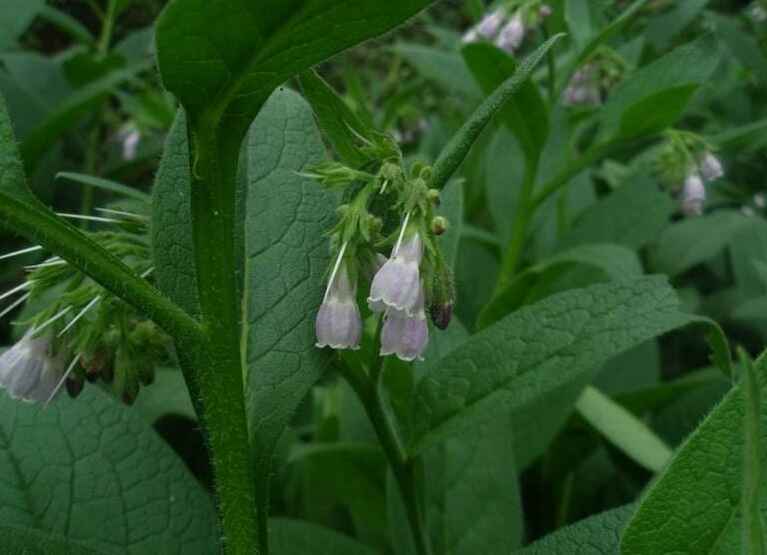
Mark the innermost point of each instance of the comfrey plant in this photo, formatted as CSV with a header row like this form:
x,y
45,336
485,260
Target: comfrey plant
x,y
413,277
507,24
686,163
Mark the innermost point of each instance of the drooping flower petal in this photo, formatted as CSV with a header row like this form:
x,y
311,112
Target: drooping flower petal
x,y
28,371
710,167
490,24
511,36
339,324
693,195
397,283
406,335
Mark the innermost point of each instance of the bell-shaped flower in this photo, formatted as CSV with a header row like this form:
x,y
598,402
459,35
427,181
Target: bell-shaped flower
x,y
583,88
28,371
693,195
338,324
406,334
710,166
396,285
488,27
511,36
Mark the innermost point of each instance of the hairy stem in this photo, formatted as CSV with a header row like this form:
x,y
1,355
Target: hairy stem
x,y
404,468
218,372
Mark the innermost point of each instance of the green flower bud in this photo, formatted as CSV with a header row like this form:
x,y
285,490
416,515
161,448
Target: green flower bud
x,y
439,225
434,197
442,297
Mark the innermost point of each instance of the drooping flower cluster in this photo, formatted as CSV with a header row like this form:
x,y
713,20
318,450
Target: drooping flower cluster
x,y
83,332
507,25
583,88
413,279
686,164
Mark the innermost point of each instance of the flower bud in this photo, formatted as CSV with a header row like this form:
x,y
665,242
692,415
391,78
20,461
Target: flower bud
x,y
693,195
710,166
439,225
545,11
74,385
442,297
434,197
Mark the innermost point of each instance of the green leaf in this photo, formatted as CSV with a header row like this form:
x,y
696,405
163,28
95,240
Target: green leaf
x,y
172,242
753,525
683,69
622,429
286,252
665,26
742,44
632,216
455,152
444,68
596,535
225,57
451,208
94,471
167,395
77,105
538,349
25,541
696,504
335,118
105,184
294,537
614,261
68,24
580,21
525,114
690,242
15,17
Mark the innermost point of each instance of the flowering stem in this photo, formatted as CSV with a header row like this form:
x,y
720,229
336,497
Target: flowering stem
x,y
404,467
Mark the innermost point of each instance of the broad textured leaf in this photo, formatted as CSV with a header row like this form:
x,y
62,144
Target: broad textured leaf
x,y
172,241
664,26
94,471
632,216
26,541
229,55
614,261
335,118
167,395
686,66
538,349
743,45
596,535
692,241
695,506
526,114
295,537
286,256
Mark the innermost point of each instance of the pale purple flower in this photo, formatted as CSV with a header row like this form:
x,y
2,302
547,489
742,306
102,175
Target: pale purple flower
x,y
129,138
693,195
470,36
583,88
491,23
710,166
28,371
396,284
511,36
406,334
338,324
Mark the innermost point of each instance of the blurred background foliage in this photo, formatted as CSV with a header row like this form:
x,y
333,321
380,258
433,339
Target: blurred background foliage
x,y
85,99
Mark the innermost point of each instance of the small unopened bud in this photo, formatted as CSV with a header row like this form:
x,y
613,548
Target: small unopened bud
x,y
375,224
442,298
426,173
439,225
342,210
434,197
545,10
74,385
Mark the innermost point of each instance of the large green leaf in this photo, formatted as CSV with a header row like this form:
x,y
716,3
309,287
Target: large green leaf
x,y
295,537
659,91
286,254
614,261
526,114
227,56
443,68
692,241
25,541
95,472
15,17
632,216
596,535
172,242
695,506
539,349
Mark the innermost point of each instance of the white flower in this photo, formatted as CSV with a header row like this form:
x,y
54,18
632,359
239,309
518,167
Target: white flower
x,y
338,324
710,166
512,34
693,195
28,371
129,137
406,334
397,283
583,88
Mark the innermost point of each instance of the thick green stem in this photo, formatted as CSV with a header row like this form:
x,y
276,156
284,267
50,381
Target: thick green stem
x,y
218,369
404,468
